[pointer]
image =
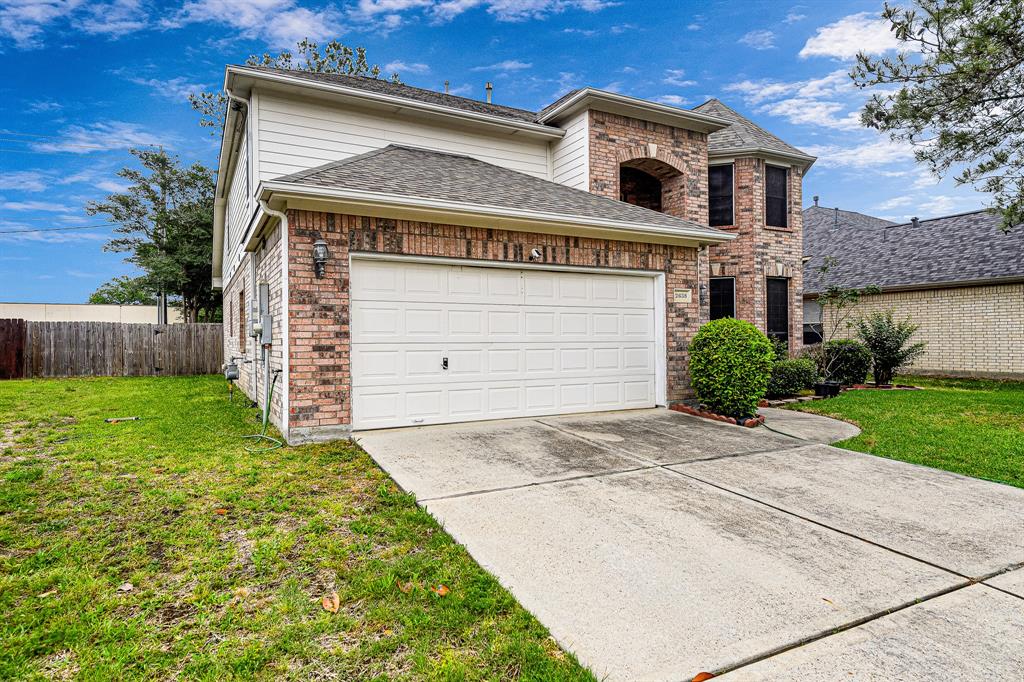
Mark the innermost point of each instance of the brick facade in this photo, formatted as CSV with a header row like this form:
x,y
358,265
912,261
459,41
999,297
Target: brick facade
x,y
970,331
320,369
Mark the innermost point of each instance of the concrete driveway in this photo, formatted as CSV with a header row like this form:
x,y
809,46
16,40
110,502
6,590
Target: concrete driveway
x,y
656,546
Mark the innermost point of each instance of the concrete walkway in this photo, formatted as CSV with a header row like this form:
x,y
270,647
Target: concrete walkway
x,y
655,546
807,426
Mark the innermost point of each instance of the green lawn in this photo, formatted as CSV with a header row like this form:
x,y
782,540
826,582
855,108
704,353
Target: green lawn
x,y
969,426
228,553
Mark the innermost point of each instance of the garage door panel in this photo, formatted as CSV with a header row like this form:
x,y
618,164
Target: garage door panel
x,y
517,343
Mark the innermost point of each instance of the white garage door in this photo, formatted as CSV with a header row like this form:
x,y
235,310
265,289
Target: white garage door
x,y
447,343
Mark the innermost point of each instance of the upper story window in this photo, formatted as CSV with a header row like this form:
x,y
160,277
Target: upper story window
x,y
775,204
720,195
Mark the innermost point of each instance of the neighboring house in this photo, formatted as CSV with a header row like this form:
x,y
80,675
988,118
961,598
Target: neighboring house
x,y
478,261
84,312
960,277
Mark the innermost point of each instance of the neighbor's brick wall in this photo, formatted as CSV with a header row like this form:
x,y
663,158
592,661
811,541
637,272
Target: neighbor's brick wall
x,y
759,251
268,269
320,368
969,330
616,139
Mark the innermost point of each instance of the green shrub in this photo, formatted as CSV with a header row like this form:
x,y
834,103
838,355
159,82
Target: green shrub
x,y
887,340
789,377
780,348
846,361
730,363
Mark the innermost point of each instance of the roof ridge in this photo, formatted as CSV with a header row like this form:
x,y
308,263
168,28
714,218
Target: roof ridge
x,y
944,217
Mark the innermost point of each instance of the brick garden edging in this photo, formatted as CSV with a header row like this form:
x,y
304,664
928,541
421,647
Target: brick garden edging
x,y
706,414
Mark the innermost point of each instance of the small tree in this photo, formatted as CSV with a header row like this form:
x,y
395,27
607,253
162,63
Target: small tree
x,y
124,290
837,304
887,340
333,58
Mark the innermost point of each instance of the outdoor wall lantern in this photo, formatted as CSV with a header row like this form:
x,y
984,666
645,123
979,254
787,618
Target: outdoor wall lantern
x,y
320,256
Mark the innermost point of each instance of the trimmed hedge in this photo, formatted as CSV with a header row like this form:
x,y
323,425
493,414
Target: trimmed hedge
x,y
730,363
789,377
849,361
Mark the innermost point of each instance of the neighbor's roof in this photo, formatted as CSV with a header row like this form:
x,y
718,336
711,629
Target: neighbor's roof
x,y
956,249
386,87
743,135
410,172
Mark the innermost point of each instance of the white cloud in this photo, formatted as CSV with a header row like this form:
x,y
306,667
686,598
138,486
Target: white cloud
x,y
25,21
895,202
406,67
831,101
503,10
42,106
507,65
48,206
461,90
793,17
676,77
693,27
622,28
864,32
52,237
674,100
102,136
177,89
281,23
25,181
761,39
112,186
881,152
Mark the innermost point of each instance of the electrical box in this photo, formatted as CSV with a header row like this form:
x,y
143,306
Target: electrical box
x,y
253,320
266,329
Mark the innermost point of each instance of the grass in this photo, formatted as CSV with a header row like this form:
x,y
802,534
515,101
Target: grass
x,y
970,426
228,553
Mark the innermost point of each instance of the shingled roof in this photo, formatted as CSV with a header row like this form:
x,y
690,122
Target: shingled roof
x,y
386,87
956,249
743,134
411,172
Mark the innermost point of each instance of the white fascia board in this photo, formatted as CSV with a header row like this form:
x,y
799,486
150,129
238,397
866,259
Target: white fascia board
x,y
614,103
804,160
436,210
400,103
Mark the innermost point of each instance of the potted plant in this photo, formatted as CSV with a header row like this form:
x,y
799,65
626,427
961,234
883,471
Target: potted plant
x,y
836,305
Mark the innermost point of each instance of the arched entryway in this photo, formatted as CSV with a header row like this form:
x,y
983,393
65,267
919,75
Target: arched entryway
x,y
652,182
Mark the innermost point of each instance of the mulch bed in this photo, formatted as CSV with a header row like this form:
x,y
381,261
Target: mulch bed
x,y
707,414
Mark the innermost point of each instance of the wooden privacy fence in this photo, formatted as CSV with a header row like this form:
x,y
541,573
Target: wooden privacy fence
x,y
75,349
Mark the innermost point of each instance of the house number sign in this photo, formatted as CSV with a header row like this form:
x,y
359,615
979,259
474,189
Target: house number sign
x,y
682,295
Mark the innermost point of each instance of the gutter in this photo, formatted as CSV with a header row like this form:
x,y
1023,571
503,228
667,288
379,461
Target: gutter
x,y
707,123
367,199
400,103
806,159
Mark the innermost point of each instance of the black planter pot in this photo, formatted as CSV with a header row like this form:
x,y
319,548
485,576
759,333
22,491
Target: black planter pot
x,y
827,389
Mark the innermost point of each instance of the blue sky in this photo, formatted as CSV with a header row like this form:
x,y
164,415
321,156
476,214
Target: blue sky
x,y
86,80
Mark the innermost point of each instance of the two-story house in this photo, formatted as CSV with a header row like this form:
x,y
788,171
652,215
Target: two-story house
x,y
421,258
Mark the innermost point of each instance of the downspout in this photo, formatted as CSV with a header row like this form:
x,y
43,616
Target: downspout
x,y
285,346
220,203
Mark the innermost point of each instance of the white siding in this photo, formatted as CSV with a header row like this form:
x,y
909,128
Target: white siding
x,y
295,135
238,210
570,154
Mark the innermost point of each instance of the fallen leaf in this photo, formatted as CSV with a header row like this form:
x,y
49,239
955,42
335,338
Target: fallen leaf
x,y
440,590
243,592
125,587
220,512
700,677
330,602
405,587
48,593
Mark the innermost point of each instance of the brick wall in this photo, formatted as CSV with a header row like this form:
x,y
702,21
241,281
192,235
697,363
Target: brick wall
x,y
759,251
680,156
970,331
267,259
319,388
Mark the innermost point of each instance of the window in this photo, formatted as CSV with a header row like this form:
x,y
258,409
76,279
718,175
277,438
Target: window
x,y
775,204
241,320
778,309
723,297
720,195
639,188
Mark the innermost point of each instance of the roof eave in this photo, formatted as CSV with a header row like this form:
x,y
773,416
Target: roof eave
x,y
397,103
805,160
615,103
921,286
435,210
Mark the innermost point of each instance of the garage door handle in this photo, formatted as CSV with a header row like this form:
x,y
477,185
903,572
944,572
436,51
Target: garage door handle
x,y
444,363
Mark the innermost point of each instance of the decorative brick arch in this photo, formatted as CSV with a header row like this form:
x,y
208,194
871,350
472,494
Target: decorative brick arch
x,y
637,155
667,168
